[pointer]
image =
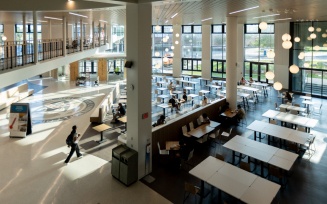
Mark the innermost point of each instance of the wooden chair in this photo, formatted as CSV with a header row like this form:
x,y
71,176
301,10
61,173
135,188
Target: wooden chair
x,y
245,166
191,125
226,134
190,189
276,172
184,129
282,110
220,157
310,147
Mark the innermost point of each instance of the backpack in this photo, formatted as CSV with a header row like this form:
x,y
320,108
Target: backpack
x,y
69,140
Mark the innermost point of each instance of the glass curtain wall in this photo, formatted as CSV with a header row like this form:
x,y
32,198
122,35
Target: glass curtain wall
x,y
162,49
29,38
310,55
257,43
1,41
191,50
218,51
117,38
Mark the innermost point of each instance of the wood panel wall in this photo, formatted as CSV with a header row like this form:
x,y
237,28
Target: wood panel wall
x,y
103,69
172,130
73,71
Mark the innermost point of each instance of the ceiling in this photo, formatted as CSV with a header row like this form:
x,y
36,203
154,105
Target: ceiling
x,y
189,11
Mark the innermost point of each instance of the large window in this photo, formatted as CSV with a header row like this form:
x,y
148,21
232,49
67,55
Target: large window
x,y
257,43
162,49
29,33
88,66
191,49
117,38
310,55
218,51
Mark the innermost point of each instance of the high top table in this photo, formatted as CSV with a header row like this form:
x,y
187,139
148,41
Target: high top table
x,y
238,183
101,128
289,107
263,85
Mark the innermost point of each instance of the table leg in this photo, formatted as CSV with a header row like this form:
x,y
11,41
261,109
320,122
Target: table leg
x,y
164,111
255,135
233,159
244,103
101,139
261,168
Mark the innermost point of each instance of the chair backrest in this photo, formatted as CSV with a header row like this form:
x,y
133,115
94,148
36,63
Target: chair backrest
x,y
156,91
158,100
302,129
189,98
205,138
282,110
191,125
272,121
190,155
184,129
275,171
158,84
276,106
188,187
297,105
220,157
217,133
312,140
245,166
230,131
200,94
294,112
199,120
159,146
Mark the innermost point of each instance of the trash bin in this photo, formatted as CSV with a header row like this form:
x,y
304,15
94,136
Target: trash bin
x,y
116,156
128,167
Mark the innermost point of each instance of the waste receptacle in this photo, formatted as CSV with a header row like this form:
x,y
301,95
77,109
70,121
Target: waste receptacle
x,y
116,156
128,167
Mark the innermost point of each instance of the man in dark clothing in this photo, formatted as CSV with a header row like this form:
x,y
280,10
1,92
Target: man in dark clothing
x,y
120,112
72,140
174,104
185,97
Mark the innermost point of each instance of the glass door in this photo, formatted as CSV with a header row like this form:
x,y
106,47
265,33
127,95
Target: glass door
x,y
254,72
258,71
263,70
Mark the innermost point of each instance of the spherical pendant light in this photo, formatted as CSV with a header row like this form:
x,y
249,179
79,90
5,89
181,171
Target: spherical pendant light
x,y
172,54
172,47
157,66
297,39
316,48
270,75
324,35
287,44
263,25
4,38
176,42
325,45
157,28
166,49
306,65
157,54
164,40
313,36
278,86
270,54
318,29
309,38
286,37
301,56
177,35
294,69
167,37
311,29
165,59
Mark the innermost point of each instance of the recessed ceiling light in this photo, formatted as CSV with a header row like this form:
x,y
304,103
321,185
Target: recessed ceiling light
x,y
174,15
281,19
244,10
277,14
76,14
53,18
206,19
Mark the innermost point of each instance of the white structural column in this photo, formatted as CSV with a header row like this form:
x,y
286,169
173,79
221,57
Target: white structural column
x,y
282,55
109,36
206,51
35,37
64,36
177,59
105,33
138,50
240,50
50,29
231,61
93,33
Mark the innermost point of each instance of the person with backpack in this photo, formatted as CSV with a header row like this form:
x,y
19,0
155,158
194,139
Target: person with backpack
x,y
71,141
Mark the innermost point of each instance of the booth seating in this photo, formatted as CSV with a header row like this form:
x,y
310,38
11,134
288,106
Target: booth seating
x,y
14,95
100,112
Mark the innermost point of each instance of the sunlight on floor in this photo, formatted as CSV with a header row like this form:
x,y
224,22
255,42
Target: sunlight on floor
x,y
83,167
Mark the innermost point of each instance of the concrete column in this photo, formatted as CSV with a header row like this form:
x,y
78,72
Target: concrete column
x,y
82,35
281,55
231,62
105,33
109,37
35,37
50,29
64,36
99,30
240,50
75,29
138,37
206,51
177,59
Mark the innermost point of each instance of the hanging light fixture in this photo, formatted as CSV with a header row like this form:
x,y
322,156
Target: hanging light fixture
x,y
313,36
176,42
270,75
297,39
172,54
286,37
166,49
157,54
270,54
177,35
287,44
311,29
172,47
157,28
318,29
316,48
278,86
165,59
324,35
324,45
301,55
157,66
294,69
263,25
164,40
309,38
4,38
306,65
167,37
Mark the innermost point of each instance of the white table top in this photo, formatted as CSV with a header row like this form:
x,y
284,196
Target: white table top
x,y
213,86
308,102
163,105
188,88
162,88
241,184
306,97
261,191
247,88
163,96
192,95
259,84
296,108
204,91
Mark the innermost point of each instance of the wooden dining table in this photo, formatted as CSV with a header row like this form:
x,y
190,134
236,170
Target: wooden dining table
x,y
229,113
172,145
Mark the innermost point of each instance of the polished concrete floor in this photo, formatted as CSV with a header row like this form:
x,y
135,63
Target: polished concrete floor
x,y
33,170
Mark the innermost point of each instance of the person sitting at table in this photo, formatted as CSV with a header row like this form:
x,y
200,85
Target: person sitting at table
x,y
120,111
174,103
225,107
171,87
243,81
240,113
288,96
205,101
205,118
161,120
251,80
185,97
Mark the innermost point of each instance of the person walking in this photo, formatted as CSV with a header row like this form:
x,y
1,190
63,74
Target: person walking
x,y
73,144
